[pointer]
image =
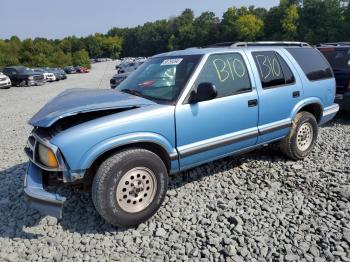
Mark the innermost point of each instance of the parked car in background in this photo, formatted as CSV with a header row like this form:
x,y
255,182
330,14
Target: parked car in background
x,y
338,55
70,70
58,73
81,69
48,76
23,76
5,81
179,110
62,74
117,64
130,66
117,79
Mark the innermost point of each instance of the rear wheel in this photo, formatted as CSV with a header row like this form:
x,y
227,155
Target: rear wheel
x,y
23,83
129,187
302,137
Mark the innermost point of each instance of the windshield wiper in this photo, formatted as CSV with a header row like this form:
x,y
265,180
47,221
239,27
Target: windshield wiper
x,y
132,92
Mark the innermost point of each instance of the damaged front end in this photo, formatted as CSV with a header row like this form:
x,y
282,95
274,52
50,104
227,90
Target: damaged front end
x,y
38,172
67,111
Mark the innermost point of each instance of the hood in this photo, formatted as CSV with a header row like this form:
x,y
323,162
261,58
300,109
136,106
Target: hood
x,y
81,100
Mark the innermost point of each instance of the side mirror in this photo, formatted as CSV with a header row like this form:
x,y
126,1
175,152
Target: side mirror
x,y
205,92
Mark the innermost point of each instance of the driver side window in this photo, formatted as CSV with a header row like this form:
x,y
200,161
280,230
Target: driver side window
x,y
228,72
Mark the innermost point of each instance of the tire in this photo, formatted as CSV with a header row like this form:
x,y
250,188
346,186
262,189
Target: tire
x,y
114,193
22,83
302,137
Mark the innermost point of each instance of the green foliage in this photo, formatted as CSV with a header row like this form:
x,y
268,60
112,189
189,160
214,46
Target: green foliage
x,y
249,27
290,22
81,58
313,21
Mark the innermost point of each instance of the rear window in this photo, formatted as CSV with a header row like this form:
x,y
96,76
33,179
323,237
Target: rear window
x,y
313,64
339,59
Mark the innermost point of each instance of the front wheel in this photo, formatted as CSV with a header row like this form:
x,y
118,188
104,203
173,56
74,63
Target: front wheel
x,y
129,187
302,137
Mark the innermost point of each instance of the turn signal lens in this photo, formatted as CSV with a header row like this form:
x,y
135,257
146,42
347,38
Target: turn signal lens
x,y
47,157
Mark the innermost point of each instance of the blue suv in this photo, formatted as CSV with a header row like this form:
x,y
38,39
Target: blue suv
x,y
177,111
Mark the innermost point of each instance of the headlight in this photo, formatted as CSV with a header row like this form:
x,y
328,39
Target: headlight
x,y
31,78
47,157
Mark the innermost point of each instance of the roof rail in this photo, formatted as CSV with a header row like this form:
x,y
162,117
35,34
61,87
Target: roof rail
x,y
269,43
223,44
334,44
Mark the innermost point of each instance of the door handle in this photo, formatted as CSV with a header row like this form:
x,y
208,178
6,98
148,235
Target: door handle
x,y
253,103
296,94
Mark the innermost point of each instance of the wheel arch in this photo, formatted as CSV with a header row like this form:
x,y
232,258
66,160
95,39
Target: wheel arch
x,y
149,141
312,105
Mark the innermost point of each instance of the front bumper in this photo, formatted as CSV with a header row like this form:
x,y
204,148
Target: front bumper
x,y
344,101
35,82
5,84
45,202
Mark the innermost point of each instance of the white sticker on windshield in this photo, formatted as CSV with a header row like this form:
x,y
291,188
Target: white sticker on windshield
x,y
175,61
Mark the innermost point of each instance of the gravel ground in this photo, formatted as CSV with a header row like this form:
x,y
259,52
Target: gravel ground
x,y
256,207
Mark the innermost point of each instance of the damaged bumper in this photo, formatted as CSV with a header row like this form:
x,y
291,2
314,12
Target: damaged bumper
x,y
45,202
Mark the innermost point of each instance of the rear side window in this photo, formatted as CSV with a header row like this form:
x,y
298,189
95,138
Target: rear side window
x,y
313,64
228,72
273,70
339,59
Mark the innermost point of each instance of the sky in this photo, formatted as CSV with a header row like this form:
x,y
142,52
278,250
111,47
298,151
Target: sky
x,y
57,19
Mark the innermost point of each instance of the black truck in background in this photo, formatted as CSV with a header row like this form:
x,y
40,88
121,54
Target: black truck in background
x,y
23,76
338,55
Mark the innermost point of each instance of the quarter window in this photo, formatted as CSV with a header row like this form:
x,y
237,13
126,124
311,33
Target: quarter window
x,y
273,69
311,61
228,72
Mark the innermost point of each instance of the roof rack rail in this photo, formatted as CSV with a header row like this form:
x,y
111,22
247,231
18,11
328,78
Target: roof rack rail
x,y
334,44
270,43
223,44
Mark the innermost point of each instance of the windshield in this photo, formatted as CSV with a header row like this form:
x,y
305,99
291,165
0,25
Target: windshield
x,y
161,78
25,70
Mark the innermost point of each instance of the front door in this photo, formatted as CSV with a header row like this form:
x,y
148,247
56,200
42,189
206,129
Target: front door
x,y
212,129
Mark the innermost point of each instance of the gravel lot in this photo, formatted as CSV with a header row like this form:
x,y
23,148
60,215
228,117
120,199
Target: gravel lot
x,y
256,207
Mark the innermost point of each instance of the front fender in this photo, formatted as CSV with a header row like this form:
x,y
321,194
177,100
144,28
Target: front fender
x,y
305,102
109,144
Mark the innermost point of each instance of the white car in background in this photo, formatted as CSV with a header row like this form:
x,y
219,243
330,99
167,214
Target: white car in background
x,y
5,81
49,77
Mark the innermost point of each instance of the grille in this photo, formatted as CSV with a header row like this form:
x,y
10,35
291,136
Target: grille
x,y
2,78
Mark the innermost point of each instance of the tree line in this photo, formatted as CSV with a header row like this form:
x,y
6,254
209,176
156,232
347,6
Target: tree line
x,y
312,21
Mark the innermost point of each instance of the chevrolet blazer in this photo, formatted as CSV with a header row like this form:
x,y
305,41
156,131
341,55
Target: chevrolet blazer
x,y
178,110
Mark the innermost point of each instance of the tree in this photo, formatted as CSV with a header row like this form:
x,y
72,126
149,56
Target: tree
x,y
289,22
206,29
228,31
81,58
183,29
321,21
249,27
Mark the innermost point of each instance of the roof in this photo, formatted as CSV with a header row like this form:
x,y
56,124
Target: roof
x,y
228,46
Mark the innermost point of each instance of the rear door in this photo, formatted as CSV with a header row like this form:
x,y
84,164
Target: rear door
x,y
280,89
